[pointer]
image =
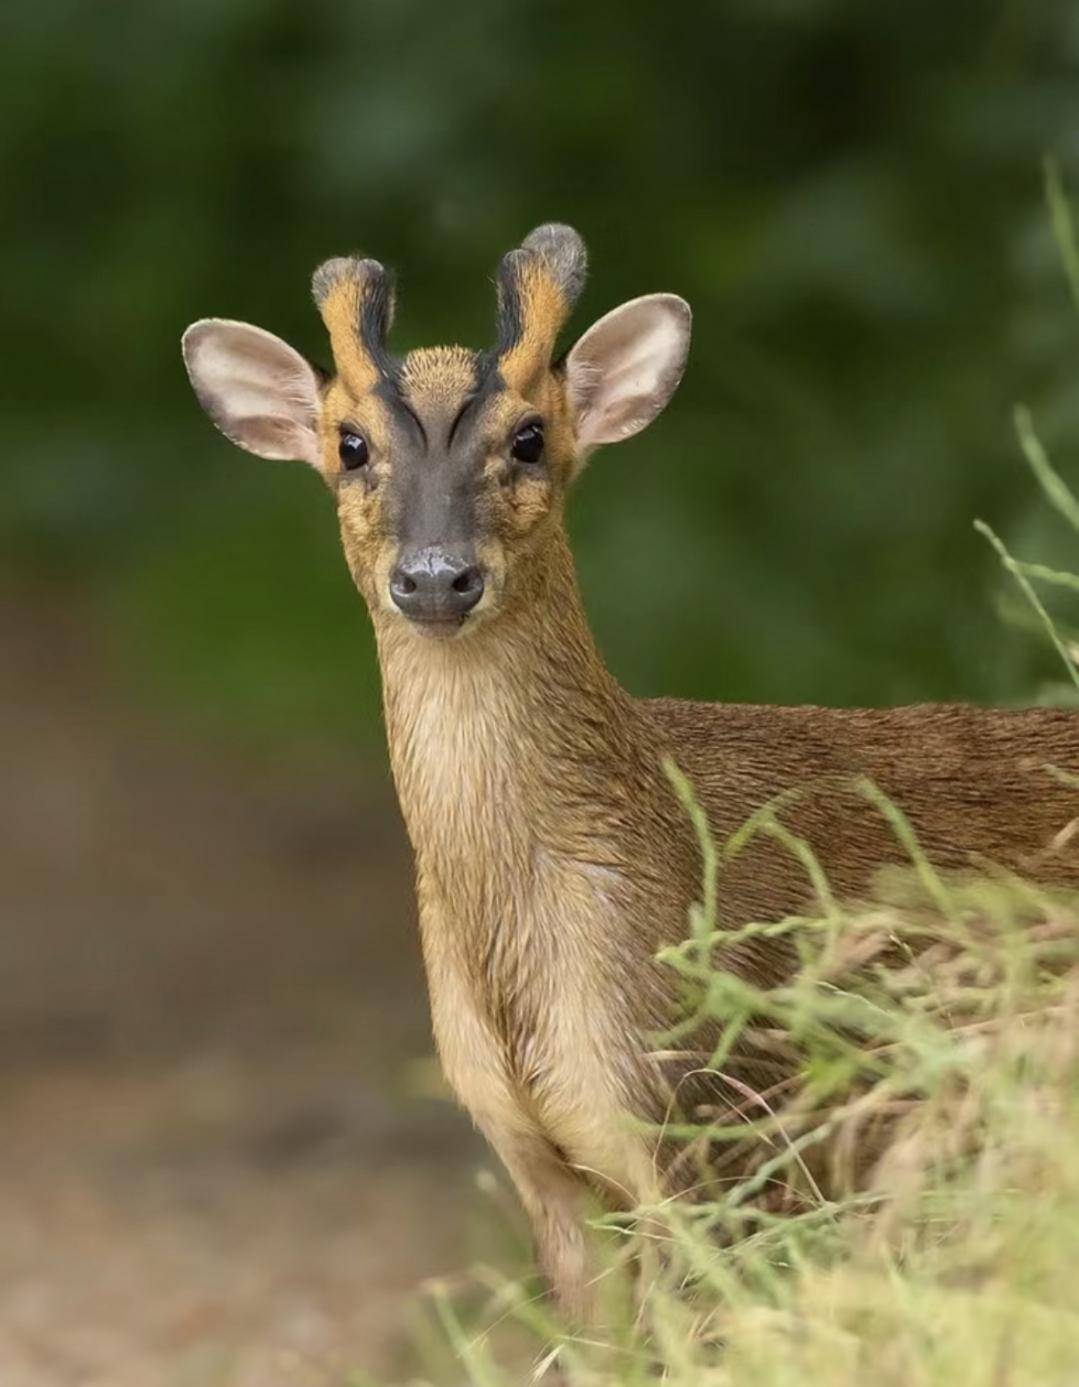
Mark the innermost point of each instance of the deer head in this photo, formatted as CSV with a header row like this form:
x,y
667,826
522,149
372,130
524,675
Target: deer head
x,y
449,466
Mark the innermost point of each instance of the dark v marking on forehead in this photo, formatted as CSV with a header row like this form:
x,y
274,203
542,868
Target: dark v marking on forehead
x,y
439,386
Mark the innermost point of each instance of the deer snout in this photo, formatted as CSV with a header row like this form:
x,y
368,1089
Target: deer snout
x,y
436,584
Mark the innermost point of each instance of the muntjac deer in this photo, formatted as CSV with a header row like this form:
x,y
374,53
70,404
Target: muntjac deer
x,y
552,857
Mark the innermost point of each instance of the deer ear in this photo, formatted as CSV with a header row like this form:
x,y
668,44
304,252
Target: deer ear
x,y
626,367
259,392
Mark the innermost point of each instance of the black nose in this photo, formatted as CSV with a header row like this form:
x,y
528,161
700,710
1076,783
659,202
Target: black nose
x,y
436,584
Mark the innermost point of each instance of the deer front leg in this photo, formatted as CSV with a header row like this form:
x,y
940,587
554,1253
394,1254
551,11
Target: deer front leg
x,y
554,1198
553,1194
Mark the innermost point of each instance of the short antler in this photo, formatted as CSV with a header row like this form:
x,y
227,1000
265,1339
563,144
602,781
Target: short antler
x,y
356,299
538,284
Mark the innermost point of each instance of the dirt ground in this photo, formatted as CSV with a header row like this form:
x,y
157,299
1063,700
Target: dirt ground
x,y
217,1168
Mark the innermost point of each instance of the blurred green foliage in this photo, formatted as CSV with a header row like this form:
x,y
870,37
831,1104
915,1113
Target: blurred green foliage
x,y
849,194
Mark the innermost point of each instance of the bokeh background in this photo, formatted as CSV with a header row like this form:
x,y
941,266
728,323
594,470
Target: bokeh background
x,y
225,1158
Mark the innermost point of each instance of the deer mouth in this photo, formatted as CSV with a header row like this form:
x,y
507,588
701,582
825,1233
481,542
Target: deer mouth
x,y
438,628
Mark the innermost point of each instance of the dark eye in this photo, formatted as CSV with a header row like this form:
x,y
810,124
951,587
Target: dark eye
x,y
352,451
528,443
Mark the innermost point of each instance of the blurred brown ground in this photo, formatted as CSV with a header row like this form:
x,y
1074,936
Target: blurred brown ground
x,y
213,1166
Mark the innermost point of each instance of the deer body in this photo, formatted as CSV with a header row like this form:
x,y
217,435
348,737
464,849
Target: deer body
x,y
552,857
552,865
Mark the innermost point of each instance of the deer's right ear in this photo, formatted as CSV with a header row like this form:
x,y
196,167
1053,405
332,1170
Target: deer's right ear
x,y
259,392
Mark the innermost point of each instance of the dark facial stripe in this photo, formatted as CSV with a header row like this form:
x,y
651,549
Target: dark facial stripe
x,y
510,317
375,312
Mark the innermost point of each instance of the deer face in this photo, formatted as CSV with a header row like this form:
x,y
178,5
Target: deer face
x,y
449,466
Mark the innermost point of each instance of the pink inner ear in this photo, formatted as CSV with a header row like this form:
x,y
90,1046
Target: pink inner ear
x,y
623,417
273,436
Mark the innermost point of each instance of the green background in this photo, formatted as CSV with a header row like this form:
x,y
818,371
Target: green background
x,y
849,194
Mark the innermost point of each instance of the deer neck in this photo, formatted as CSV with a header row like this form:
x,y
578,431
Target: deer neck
x,y
513,741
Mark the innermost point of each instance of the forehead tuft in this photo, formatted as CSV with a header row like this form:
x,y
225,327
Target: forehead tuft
x,y
440,377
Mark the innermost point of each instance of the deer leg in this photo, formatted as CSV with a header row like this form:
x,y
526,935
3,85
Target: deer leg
x,y
554,1197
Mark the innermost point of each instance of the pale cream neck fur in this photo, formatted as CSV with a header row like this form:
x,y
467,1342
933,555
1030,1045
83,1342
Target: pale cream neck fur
x,y
506,731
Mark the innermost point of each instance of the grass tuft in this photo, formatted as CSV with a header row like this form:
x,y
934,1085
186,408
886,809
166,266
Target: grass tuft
x,y
907,1205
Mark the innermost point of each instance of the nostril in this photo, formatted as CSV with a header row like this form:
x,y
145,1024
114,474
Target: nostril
x,y
465,590
403,589
467,581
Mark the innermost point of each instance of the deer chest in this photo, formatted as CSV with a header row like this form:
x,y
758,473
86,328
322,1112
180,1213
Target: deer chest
x,y
531,1035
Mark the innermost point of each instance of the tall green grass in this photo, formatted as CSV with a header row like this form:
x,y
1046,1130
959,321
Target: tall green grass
x,y
1031,576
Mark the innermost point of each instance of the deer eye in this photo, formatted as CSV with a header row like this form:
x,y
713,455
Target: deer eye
x,y
528,443
352,450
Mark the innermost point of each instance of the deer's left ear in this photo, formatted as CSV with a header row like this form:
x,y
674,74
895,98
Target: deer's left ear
x,y
626,367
